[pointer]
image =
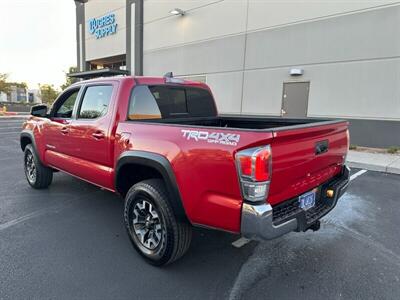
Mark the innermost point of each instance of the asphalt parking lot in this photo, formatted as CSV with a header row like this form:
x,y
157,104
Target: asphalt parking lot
x,y
68,242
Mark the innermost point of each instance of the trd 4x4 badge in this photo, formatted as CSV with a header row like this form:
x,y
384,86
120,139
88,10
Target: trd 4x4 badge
x,y
212,137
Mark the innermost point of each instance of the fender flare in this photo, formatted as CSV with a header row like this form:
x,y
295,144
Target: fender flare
x,y
161,164
29,134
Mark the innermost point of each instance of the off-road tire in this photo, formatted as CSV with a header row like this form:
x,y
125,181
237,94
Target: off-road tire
x,y
175,235
37,175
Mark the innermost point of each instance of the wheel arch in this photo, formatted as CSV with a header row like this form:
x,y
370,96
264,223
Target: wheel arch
x,y
135,166
26,138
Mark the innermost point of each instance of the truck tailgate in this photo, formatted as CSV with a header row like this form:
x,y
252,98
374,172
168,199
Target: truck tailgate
x,y
305,157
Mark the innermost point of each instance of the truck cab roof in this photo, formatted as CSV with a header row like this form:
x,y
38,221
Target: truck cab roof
x,y
146,80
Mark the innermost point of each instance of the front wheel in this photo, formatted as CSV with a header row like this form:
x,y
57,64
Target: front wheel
x,y
151,224
38,176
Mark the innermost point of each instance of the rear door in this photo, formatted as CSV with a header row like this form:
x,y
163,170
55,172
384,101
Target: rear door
x,y
90,135
90,131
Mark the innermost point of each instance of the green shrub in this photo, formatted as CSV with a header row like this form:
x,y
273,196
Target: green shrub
x,y
353,147
393,149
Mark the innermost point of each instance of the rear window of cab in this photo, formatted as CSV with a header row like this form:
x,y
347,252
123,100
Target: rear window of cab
x,y
169,102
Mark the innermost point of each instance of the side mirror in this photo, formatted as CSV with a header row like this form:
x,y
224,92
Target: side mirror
x,y
39,110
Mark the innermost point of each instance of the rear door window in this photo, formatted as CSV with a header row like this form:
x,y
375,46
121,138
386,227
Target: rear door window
x,y
95,102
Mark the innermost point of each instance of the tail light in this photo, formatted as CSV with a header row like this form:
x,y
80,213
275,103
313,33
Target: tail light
x,y
254,167
348,146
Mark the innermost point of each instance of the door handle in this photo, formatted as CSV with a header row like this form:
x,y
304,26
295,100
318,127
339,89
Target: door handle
x,y
98,135
64,130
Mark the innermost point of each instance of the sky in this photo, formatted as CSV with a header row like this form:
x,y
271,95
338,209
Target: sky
x,y
37,40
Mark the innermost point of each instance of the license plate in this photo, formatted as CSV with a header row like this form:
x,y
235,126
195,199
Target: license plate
x,y
307,200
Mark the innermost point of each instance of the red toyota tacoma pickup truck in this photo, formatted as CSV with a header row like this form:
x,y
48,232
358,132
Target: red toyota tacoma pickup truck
x,y
160,143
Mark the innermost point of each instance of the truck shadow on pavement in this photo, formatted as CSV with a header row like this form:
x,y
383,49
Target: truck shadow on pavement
x,y
208,270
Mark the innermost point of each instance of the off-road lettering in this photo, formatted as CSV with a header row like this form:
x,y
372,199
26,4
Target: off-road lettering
x,y
230,139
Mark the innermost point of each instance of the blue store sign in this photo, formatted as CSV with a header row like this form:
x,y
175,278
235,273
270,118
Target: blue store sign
x,y
103,26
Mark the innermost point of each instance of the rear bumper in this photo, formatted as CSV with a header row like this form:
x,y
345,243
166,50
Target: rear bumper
x,y
264,222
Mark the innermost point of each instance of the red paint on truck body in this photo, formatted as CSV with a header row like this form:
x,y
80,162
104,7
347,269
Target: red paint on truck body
x,y
205,173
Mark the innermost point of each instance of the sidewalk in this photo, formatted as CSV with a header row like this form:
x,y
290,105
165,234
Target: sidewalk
x,y
388,163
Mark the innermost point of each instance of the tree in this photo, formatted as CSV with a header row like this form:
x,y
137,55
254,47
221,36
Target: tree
x,y
69,80
4,85
48,93
22,85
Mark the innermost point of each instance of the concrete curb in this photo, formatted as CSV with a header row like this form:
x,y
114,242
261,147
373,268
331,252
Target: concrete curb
x,y
386,163
394,168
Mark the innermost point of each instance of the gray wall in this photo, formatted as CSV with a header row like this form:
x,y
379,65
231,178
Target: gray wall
x,y
134,36
374,133
351,59
245,49
80,35
348,51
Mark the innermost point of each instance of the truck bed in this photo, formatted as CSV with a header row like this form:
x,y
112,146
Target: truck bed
x,y
296,167
252,123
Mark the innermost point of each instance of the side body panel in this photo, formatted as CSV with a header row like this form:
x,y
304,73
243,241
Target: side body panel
x,y
202,159
56,135
205,172
75,150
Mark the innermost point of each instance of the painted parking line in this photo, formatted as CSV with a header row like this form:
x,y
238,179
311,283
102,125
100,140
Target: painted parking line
x,y
240,242
55,208
359,173
24,218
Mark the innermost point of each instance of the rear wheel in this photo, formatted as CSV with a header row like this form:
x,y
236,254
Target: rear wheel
x,y
38,176
151,224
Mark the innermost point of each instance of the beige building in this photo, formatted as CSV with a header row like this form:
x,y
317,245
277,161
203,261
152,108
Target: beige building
x,y
326,58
